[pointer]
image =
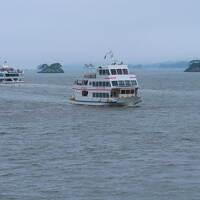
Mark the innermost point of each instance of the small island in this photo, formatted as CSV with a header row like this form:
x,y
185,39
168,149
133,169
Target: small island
x,y
194,66
53,68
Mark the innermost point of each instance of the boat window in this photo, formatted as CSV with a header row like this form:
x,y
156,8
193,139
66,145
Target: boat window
x,y
134,82
107,84
119,71
100,95
132,91
84,93
100,84
113,71
90,83
115,93
125,71
128,83
121,83
128,91
107,72
78,82
123,92
114,83
104,72
84,82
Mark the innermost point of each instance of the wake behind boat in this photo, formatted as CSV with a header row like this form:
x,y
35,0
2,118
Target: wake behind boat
x,y
10,75
110,84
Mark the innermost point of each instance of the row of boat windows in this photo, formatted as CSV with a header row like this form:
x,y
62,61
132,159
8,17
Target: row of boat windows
x,y
127,91
101,95
113,72
126,83
100,84
106,95
119,71
9,75
98,95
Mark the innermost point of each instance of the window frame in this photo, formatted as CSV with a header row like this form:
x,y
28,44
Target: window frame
x,y
121,85
84,93
113,70
125,71
119,72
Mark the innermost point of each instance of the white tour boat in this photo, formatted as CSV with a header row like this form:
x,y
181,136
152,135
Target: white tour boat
x,y
110,84
10,75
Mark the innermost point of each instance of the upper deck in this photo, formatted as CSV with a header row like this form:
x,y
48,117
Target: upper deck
x,y
115,71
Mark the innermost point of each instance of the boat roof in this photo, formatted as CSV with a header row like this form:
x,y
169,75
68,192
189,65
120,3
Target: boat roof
x,y
114,66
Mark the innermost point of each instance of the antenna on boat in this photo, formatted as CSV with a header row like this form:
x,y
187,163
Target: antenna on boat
x,y
110,55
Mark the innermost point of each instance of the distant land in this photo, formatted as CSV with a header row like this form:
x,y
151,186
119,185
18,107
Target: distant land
x,y
72,66
162,65
194,66
53,68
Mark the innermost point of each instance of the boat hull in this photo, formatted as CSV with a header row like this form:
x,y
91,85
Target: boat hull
x,y
131,101
11,82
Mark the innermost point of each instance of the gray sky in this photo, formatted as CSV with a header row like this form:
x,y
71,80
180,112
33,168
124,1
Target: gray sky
x,y
82,31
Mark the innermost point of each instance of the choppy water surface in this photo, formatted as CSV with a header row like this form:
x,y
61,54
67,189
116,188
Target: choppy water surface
x,y
50,149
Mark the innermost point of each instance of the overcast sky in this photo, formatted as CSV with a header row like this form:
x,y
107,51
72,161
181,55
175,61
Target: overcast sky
x,y
81,31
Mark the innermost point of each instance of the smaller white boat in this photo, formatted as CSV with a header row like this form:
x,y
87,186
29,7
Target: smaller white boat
x,y
10,75
110,84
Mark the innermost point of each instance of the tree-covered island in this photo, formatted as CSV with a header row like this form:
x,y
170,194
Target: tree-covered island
x,y
53,68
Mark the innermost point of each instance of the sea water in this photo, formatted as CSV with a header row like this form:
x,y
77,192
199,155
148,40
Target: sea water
x,y
50,149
